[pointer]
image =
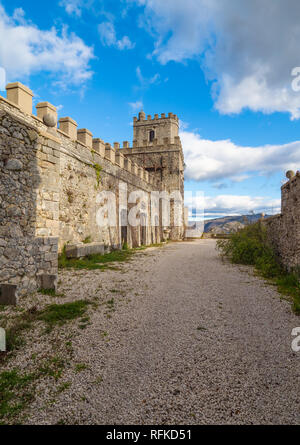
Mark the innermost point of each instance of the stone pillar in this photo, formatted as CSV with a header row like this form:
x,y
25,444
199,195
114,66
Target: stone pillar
x,y
141,172
127,164
68,126
119,159
99,147
47,113
110,153
86,137
20,95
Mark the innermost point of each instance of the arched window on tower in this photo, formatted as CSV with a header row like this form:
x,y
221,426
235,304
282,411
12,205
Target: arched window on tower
x,y
151,135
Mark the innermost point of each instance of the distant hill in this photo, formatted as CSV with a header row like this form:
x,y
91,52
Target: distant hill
x,y
230,224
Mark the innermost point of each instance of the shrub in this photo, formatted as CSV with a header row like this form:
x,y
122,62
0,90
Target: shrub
x,y
250,246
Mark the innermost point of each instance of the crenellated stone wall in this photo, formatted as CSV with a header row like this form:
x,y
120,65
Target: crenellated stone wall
x,y
50,189
284,229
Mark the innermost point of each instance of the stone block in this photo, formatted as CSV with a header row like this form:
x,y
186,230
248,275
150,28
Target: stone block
x,y
9,294
86,137
99,146
120,159
68,126
110,153
47,281
20,95
127,164
82,250
47,112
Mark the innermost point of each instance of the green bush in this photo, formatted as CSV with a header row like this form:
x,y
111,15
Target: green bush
x,y
250,246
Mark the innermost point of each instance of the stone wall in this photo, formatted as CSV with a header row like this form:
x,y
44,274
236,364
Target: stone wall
x,y
51,187
23,255
284,229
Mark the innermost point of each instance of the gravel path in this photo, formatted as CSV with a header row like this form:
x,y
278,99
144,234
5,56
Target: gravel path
x,y
192,340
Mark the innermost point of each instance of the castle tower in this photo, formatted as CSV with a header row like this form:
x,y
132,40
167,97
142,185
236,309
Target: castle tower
x,y
158,128
157,148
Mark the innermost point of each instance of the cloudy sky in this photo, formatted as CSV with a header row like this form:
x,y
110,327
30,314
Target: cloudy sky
x,y
224,66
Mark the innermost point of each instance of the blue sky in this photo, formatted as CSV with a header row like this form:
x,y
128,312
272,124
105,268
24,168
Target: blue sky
x,y
221,66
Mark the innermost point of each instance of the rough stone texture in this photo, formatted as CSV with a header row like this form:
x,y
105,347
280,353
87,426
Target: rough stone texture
x,y
81,250
8,294
48,281
50,191
284,229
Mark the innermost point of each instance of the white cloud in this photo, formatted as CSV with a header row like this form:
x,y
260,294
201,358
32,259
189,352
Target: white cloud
x,y
234,204
136,106
72,7
146,82
109,38
218,160
31,50
247,48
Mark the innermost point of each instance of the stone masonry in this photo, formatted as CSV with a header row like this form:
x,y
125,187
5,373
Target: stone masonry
x,y
284,229
51,177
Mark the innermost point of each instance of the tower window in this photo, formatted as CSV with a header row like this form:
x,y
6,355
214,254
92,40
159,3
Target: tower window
x,y
152,135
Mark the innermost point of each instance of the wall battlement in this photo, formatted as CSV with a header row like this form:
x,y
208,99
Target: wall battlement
x,y
20,96
141,119
52,175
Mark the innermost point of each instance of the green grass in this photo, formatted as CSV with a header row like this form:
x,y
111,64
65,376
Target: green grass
x,y
15,332
59,314
250,246
80,367
98,261
87,240
50,292
52,368
63,387
15,393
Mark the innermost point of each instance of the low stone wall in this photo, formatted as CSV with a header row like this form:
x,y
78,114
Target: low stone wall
x,y
284,229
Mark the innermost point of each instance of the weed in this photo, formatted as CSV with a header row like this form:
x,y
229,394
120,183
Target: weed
x,y
87,240
95,261
15,392
52,368
80,367
61,313
99,380
250,246
50,292
63,387
98,170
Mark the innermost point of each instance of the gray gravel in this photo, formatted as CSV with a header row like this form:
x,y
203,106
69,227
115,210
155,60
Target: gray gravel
x,y
193,340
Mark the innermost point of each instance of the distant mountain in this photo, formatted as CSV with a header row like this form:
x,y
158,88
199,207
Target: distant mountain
x,y
230,224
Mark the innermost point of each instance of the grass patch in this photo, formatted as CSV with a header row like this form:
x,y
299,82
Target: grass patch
x,y
87,240
250,246
98,261
80,367
15,332
15,393
59,314
50,292
52,368
63,387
